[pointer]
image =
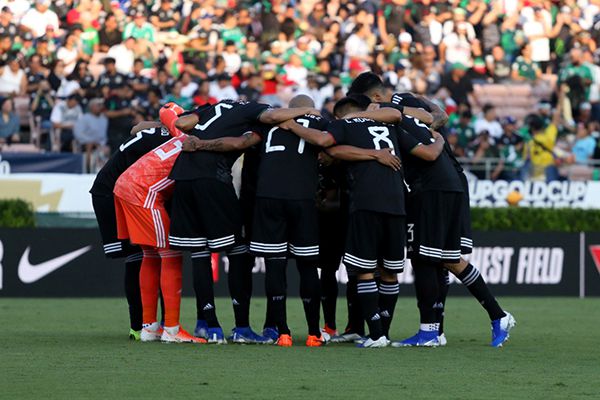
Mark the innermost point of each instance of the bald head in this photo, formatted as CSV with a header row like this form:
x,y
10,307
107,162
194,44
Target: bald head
x,y
301,100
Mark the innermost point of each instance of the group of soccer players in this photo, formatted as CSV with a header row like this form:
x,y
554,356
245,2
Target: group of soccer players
x,y
368,189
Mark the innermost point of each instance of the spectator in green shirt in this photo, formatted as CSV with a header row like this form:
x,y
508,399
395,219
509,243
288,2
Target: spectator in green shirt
x,y
89,36
231,31
309,61
139,28
524,68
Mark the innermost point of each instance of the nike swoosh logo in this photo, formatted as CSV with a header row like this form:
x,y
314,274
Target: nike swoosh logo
x,y
29,273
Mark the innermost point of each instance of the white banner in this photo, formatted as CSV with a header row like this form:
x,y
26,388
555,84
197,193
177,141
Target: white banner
x,y
558,194
65,193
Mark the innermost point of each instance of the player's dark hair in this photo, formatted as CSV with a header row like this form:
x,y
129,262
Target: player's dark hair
x,y
365,83
351,103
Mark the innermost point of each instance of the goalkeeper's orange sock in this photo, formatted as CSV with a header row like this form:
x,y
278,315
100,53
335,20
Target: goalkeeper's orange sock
x,y
149,284
170,284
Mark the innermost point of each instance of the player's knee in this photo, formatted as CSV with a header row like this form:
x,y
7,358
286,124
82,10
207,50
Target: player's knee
x,y
457,268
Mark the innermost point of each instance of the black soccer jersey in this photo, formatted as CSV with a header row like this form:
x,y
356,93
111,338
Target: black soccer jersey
x,y
409,100
421,175
226,118
372,186
289,167
129,152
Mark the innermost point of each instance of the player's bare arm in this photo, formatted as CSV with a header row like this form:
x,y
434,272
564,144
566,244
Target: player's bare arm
x,y
144,125
420,114
382,114
277,116
187,122
439,116
430,152
224,144
312,136
352,153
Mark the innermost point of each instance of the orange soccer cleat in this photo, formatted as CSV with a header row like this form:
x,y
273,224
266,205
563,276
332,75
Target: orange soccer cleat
x,y
315,341
330,331
284,341
179,335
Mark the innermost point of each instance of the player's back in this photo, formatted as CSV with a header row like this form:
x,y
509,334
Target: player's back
x,y
372,185
438,175
226,118
288,165
146,183
128,153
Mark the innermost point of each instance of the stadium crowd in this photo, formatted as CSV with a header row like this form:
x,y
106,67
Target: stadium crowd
x,y
77,74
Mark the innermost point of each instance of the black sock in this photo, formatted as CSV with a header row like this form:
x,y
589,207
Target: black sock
x,y
240,272
388,296
132,292
473,280
276,289
368,299
269,319
426,287
443,287
356,322
204,288
329,294
310,293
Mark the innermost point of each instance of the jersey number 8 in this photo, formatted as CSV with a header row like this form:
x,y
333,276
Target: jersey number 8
x,y
381,134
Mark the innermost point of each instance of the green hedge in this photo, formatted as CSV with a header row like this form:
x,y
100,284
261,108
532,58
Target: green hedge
x,y
20,214
16,214
535,219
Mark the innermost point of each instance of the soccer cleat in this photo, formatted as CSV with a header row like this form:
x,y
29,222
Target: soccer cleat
x,y
151,333
316,341
216,336
442,339
346,337
501,328
134,335
179,335
370,343
331,332
421,339
284,340
201,329
271,333
247,335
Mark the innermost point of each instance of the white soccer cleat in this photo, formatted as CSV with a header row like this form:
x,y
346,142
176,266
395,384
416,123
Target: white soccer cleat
x,y
151,333
442,339
177,334
370,343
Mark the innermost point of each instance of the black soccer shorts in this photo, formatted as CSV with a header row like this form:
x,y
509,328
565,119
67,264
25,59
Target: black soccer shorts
x,y
283,226
374,236
466,235
332,237
205,214
104,207
438,226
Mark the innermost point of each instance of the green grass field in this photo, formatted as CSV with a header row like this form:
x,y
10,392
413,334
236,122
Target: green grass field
x,y
78,349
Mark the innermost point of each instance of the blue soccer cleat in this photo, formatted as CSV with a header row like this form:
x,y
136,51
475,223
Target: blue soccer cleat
x,y
215,335
247,335
201,330
271,334
500,329
421,339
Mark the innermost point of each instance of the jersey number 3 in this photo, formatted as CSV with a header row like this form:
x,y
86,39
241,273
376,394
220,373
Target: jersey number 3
x,y
269,148
381,134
